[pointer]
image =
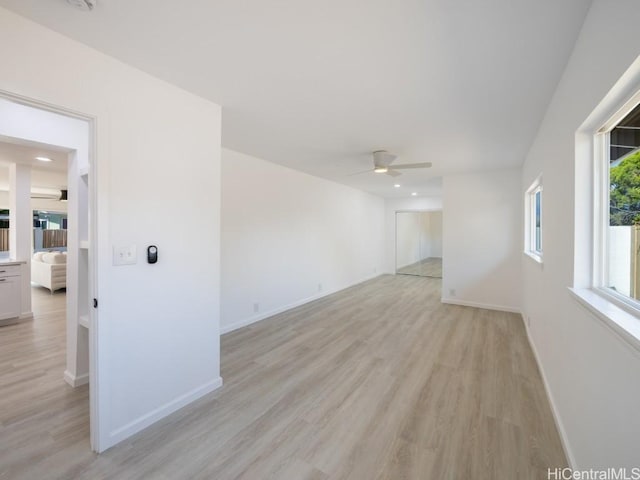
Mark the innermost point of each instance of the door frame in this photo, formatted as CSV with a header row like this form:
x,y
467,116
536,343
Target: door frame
x,y
94,424
395,232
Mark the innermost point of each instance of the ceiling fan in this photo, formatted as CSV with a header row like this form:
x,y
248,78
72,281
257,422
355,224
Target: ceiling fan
x,y
382,161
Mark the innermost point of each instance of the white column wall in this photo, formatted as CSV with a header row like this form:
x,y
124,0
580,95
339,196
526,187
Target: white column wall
x,y
482,239
20,227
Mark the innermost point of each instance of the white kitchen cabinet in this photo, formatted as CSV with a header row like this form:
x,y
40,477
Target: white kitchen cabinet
x,y
10,291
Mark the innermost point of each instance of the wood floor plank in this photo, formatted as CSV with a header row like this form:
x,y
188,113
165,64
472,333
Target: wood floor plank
x,y
378,381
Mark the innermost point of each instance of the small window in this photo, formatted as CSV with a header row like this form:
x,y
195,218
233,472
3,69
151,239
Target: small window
x,y
533,225
618,159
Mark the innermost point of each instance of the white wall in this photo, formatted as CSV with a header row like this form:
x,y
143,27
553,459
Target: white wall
x,y
482,239
593,375
157,157
285,233
393,205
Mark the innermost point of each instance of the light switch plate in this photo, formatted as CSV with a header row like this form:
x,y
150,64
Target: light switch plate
x,y
125,255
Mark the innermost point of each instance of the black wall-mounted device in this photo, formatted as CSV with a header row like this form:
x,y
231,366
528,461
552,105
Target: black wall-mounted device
x,y
152,254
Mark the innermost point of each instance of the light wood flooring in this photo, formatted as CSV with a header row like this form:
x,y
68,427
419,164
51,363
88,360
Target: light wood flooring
x,y
427,267
379,381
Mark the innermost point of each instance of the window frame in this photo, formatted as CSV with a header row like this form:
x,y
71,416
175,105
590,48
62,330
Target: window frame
x,y
614,313
530,244
601,190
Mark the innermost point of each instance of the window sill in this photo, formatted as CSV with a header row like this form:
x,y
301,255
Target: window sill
x,y
623,323
535,257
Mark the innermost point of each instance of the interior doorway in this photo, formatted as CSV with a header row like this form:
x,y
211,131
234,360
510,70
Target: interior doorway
x,y
419,243
67,136
43,184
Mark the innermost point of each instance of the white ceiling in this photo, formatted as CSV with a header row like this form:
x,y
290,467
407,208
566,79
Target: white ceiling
x,y
49,176
317,85
26,153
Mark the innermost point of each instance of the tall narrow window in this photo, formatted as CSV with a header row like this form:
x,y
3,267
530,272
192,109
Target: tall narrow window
x,y
533,225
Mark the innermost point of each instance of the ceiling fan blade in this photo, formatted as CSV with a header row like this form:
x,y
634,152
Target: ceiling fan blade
x,y
413,165
360,173
392,173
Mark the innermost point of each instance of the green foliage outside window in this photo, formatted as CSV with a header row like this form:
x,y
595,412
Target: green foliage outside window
x,y
624,196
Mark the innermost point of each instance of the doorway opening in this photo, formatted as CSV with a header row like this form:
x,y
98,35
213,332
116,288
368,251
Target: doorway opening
x,y
49,152
419,243
34,180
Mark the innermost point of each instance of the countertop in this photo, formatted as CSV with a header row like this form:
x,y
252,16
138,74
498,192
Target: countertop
x,y
6,261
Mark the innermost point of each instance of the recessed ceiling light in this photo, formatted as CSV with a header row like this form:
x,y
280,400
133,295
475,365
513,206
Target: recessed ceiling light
x,y
397,185
44,159
413,194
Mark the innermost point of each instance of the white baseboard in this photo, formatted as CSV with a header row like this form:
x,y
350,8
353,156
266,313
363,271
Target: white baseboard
x,y
9,321
20,318
486,306
76,381
556,416
167,409
275,311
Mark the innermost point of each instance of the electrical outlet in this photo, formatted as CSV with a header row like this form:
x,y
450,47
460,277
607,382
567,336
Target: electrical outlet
x,y
319,287
375,269
452,292
256,307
